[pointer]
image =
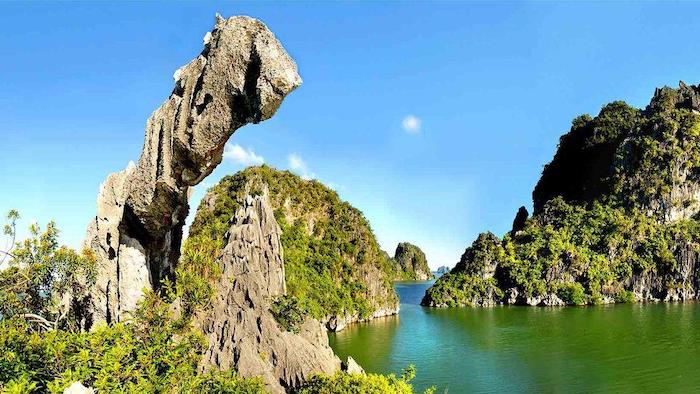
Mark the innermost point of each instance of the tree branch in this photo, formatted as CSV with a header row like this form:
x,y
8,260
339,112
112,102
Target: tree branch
x,y
43,323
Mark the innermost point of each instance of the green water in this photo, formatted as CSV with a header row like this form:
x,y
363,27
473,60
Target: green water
x,y
616,348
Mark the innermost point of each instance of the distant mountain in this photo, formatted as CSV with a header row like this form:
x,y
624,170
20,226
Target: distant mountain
x,y
442,270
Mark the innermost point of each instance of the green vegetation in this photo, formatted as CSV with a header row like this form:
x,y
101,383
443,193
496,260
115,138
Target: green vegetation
x,y
460,289
615,215
38,268
148,355
42,351
347,383
153,352
288,313
331,255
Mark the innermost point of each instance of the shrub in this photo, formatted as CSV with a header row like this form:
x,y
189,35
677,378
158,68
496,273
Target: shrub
x,y
346,383
572,293
288,313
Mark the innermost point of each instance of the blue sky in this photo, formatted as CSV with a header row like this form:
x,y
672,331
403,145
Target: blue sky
x,y
485,89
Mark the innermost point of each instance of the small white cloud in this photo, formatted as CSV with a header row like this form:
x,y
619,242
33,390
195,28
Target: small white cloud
x,y
237,154
298,165
411,124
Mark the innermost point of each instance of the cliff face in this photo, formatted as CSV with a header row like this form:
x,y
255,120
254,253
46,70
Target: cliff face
x,y
240,328
334,267
411,263
615,216
241,77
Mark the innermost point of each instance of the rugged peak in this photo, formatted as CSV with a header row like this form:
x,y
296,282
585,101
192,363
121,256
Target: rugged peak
x,y
685,97
520,220
241,77
241,331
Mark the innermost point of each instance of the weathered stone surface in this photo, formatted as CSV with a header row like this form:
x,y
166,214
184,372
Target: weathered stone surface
x,y
351,366
241,331
338,323
241,77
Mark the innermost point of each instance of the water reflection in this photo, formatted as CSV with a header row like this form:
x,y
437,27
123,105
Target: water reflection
x,y
620,348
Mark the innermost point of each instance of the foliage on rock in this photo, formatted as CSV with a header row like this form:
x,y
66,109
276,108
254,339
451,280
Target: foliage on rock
x,y
615,215
410,263
333,263
348,383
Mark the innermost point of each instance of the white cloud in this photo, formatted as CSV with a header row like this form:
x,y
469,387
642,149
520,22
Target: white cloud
x,y
411,124
298,165
237,154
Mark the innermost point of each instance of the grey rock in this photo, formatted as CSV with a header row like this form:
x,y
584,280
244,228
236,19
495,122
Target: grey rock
x,y
552,299
240,77
241,332
512,296
351,366
339,323
533,300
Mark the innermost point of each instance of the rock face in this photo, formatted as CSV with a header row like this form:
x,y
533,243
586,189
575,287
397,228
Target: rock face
x,y
241,77
411,262
241,331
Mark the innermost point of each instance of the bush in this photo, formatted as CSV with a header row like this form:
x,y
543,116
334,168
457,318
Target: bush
x,y
148,355
288,313
572,293
346,383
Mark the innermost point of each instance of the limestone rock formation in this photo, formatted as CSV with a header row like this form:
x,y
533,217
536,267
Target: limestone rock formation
x,y
411,262
481,258
351,366
240,77
616,216
334,265
241,331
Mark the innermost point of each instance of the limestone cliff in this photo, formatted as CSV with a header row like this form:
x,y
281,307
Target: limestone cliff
x,y
241,77
615,216
411,263
242,332
334,266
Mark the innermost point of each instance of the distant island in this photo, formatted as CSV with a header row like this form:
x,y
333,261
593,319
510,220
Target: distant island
x,y
442,270
410,263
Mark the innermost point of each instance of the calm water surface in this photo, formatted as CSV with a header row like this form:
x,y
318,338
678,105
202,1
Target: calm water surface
x,y
617,348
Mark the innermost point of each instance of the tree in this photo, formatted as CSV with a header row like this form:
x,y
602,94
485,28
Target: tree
x,y
40,277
